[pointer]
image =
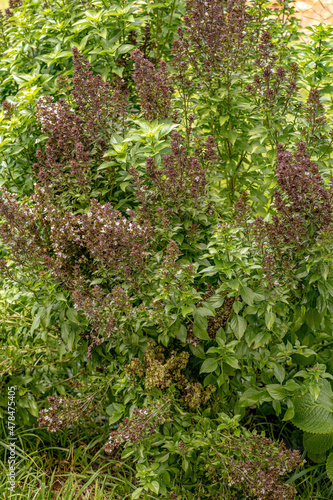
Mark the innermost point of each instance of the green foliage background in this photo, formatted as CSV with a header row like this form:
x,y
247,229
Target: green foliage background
x,y
270,359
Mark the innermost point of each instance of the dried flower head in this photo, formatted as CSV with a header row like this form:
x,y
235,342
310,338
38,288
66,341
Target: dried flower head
x,y
144,422
65,411
303,203
254,466
159,371
78,128
275,83
214,41
153,87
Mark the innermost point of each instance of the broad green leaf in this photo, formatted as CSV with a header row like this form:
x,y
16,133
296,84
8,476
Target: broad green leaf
x,y
70,341
106,164
182,333
35,323
123,49
279,372
313,319
198,351
231,135
326,396
317,458
258,131
155,487
200,333
329,288
233,362
329,467
224,119
290,412
204,311
209,365
166,128
200,326
72,315
324,269
277,392
270,318
247,295
238,325
33,408
115,417
216,301
252,396
314,277
137,493
264,340
311,416
186,310
61,297
234,284
115,407
317,443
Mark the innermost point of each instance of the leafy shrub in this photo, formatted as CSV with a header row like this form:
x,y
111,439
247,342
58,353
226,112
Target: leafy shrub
x,y
166,211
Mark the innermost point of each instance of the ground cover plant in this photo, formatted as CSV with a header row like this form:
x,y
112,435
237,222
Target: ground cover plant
x,y
166,233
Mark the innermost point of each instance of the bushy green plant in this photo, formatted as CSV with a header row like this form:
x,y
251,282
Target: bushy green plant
x,y
166,214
